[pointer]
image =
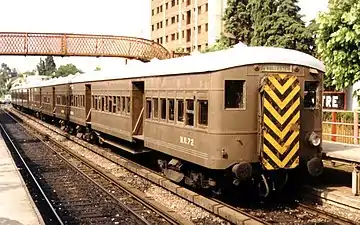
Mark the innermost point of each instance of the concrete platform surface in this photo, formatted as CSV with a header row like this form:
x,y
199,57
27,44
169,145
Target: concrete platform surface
x,y
340,196
341,151
16,204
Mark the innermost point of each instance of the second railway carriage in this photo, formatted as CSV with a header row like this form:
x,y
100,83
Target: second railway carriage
x,y
226,116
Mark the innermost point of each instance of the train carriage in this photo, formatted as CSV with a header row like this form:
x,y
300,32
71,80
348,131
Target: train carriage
x,y
226,116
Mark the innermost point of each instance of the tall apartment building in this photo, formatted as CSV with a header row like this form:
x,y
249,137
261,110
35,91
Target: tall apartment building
x,y
188,24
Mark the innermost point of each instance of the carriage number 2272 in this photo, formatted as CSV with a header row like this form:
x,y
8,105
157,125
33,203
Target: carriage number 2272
x,y
187,140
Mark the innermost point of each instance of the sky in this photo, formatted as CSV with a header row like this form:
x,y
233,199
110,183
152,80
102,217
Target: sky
x,y
115,17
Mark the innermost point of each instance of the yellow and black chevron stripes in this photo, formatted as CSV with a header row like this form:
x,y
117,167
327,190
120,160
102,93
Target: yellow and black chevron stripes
x,y
281,122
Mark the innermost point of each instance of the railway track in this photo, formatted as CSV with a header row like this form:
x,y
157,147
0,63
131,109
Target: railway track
x,y
309,215
75,189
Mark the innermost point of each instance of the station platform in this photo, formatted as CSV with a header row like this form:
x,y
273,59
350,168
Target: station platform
x,y
16,204
345,154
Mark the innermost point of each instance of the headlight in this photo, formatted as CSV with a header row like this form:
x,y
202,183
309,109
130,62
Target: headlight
x,y
314,139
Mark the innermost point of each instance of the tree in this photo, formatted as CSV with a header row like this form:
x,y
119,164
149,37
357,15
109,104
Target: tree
x,y
238,21
65,70
338,43
47,67
220,44
266,23
281,26
260,10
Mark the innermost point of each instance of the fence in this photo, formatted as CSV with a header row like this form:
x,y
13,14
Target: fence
x,y
341,126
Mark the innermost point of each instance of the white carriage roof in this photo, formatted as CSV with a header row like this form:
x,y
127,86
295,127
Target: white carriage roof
x,y
213,61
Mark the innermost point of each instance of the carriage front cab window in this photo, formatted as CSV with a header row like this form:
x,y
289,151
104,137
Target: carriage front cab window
x,y
234,94
310,94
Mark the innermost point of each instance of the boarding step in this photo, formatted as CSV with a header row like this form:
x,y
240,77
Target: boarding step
x,y
139,137
125,148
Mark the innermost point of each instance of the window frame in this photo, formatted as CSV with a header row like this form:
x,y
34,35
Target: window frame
x,y
244,95
318,101
201,125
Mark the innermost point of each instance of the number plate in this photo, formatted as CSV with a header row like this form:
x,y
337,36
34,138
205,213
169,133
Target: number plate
x,y
276,68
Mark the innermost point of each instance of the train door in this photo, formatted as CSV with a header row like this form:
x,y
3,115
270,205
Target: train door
x,y
280,122
88,102
53,100
137,105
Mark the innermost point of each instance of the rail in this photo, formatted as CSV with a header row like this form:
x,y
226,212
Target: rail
x,y
66,44
47,200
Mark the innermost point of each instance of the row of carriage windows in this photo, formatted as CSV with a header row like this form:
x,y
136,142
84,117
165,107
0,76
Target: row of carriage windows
x,y
181,110
112,104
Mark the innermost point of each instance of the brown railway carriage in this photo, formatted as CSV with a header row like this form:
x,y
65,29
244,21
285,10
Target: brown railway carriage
x,y
232,111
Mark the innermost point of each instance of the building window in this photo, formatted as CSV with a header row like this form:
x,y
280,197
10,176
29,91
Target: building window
x,y
234,93
156,105
172,19
163,108
199,10
203,112
167,5
177,36
188,2
188,17
172,3
152,12
166,22
199,29
148,108
182,34
177,18
188,35
167,38
171,109
206,27
206,7
173,36
180,110
190,112
161,8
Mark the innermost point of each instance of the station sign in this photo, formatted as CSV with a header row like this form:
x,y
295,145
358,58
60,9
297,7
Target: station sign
x,y
334,100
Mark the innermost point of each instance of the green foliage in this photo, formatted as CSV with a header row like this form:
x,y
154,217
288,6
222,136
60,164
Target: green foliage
x,y
266,23
338,42
260,11
47,67
220,44
65,70
98,68
7,75
238,20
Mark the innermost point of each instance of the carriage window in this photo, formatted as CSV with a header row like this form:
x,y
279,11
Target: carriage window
x,y
190,112
63,102
171,109
110,104
128,104
203,112
180,116
106,103
310,94
102,103
118,104
163,108
58,100
114,104
234,93
156,106
123,104
148,108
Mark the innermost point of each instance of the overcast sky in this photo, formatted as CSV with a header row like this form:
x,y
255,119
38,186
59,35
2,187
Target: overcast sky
x,y
116,17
